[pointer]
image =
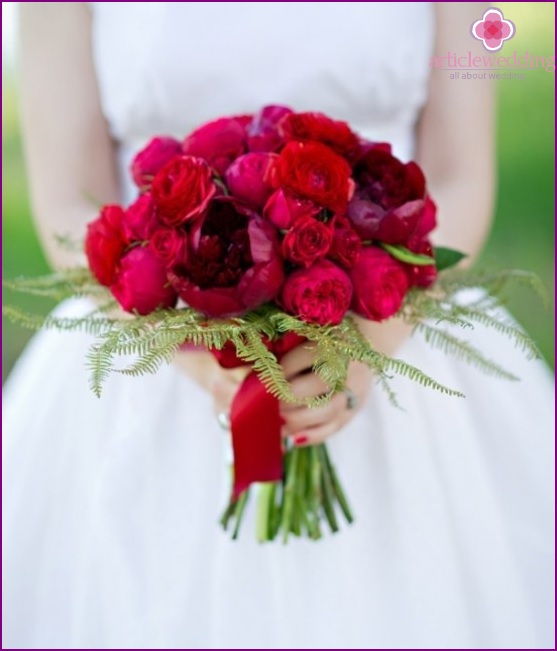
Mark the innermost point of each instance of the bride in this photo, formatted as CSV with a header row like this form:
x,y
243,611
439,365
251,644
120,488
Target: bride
x,y
110,506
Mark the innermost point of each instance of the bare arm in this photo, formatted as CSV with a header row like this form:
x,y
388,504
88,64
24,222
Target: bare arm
x,y
69,151
455,137
455,150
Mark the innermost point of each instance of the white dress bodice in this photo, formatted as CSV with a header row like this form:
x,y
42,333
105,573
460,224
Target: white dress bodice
x,y
165,68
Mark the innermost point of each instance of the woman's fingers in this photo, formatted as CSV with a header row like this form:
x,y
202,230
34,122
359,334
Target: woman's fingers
x,y
305,418
316,435
298,360
224,385
309,385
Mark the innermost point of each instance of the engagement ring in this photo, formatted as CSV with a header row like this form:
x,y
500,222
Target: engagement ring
x,y
351,399
224,420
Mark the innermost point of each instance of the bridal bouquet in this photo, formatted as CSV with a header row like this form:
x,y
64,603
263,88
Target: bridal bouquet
x,y
255,234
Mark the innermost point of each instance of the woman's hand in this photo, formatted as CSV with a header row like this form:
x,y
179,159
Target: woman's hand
x,y
309,426
222,384
304,425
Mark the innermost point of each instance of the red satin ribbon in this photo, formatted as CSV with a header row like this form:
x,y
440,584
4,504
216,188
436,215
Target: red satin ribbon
x,y
256,441
256,422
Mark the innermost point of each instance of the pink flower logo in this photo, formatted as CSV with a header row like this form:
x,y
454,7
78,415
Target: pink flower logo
x,y
493,29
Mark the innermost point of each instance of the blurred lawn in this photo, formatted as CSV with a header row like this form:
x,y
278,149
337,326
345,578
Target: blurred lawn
x,y
522,236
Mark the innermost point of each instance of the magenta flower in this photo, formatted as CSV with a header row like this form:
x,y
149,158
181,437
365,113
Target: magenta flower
x,y
493,29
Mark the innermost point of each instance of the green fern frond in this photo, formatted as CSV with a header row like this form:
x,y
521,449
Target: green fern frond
x,y
153,339
331,364
493,282
100,364
451,345
404,369
505,328
61,285
90,323
253,351
152,360
383,382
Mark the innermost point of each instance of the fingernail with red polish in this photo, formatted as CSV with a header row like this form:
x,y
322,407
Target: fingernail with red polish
x,y
300,440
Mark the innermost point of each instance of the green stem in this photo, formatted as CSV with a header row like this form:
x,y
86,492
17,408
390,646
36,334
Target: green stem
x,y
265,502
288,497
239,512
339,492
328,492
314,488
225,518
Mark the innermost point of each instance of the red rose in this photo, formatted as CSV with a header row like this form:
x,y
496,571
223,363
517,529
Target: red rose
x,y
312,171
320,128
263,131
182,190
218,142
380,284
105,243
421,275
248,178
346,246
372,222
157,153
307,241
383,179
141,284
169,245
140,219
234,264
320,294
283,209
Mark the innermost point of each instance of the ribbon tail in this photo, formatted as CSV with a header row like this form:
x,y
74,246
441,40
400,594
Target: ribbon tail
x,y
256,435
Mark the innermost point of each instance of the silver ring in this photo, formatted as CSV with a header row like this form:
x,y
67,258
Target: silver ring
x,y
351,399
224,420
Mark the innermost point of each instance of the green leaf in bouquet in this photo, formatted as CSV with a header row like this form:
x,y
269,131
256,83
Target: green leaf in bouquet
x,y
446,257
405,255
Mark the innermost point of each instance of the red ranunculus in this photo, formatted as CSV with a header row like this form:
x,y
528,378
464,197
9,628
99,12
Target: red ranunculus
x,y
263,131
182,190
307,241
218,142
320,294
158,152
380,284
170,245
311,170
141,284
248,178
105,243
318,127
345,247
283,210
234,263
140,219
383,179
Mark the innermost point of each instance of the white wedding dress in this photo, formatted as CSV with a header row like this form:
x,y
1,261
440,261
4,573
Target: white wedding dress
x,y
111,506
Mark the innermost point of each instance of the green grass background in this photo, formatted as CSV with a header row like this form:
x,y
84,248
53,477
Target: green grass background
x,y
522,235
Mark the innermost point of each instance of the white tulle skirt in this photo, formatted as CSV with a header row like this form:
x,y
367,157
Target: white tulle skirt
x,y
111,506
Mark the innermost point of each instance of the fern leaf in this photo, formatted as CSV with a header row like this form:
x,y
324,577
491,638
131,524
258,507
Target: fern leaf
x,y
451,345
